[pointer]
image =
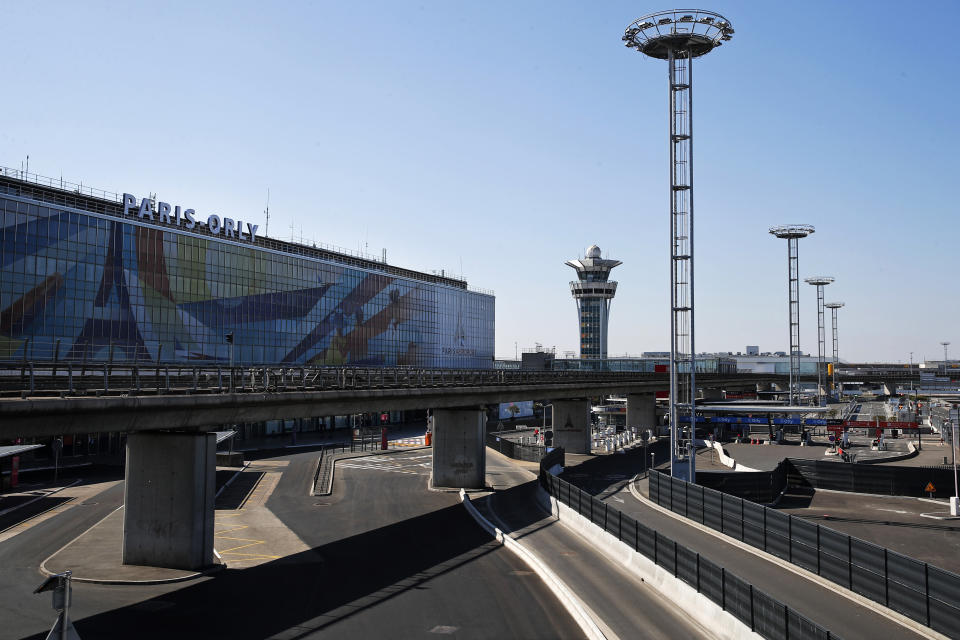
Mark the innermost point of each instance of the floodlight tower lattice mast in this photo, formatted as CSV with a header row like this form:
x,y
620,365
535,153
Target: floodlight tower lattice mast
x,y
833,306
792,233
678,37
820,282
945,345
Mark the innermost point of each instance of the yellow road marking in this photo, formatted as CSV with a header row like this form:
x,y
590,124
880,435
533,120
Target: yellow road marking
x,y
243,526
249,555
242,546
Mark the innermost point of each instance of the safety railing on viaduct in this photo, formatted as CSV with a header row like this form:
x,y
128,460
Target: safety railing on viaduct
x,y
922,592
53,379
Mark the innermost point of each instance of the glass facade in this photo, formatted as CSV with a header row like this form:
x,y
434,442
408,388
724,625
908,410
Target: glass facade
x,y
80,282
593,312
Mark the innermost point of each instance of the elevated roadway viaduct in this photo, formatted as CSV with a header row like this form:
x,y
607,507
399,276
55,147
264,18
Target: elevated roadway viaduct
x,y
211,403
168,519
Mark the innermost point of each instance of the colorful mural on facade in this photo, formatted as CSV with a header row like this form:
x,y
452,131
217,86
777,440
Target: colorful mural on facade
x,y
83,287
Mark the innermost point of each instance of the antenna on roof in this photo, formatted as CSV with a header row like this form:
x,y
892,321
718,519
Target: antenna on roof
x,y
266,232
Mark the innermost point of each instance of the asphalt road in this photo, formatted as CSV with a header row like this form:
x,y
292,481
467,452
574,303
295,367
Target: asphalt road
x,y
608,477
385,559
628,607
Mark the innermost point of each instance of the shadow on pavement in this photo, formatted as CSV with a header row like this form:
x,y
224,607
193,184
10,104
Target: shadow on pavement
x,y
889,523
301,594
608,474
515,510
796,497
28,511
234,495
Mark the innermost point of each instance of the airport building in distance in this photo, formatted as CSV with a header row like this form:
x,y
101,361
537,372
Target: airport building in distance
x,y
91,276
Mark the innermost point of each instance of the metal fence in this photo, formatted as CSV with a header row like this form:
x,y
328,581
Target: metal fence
x,y
764,615
759,486
766,486
887,480
924,593
515,450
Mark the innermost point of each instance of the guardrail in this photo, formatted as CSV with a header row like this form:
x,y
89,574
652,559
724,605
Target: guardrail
x,y
58,378
764,615
922,592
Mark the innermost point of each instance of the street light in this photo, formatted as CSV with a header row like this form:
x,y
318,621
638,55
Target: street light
x,y
955,500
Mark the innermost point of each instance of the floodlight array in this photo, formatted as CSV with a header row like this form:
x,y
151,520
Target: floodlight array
x,y
693,31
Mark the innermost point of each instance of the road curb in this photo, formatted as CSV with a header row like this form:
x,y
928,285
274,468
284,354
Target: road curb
x,y
46,572
199,574
579,611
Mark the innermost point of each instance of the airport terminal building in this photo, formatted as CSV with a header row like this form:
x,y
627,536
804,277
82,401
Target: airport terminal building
x,y
90,276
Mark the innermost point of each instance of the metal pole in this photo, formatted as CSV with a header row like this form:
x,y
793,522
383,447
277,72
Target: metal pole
x,y
682,344
66,605
953,450
820,346
794,309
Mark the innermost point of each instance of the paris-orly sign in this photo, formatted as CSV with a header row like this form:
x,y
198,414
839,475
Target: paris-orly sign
x,y
187,218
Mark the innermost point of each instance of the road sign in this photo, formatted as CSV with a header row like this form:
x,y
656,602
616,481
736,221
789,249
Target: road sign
x,y
930,488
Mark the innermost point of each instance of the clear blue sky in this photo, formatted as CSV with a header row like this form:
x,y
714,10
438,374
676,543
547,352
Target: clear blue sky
x,y
507,137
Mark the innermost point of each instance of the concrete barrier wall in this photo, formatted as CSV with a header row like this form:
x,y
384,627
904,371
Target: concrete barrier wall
x,y
703,610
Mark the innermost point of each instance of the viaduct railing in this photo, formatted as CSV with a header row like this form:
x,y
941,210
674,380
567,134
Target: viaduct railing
x,y
58,379
922,592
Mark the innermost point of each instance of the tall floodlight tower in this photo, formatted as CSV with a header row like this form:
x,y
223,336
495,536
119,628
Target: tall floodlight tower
x,y
945,345
678,37
820,282
593,291
833,306
792,233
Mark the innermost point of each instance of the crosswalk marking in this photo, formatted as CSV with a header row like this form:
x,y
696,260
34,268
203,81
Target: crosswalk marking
x,y
414,465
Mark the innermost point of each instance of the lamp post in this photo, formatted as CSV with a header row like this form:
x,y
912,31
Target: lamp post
x,y
792,233
955,500
820,282
679,37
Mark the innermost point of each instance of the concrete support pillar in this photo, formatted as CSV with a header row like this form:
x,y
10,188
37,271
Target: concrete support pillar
x,y
642,411
169,500
571,425
459,448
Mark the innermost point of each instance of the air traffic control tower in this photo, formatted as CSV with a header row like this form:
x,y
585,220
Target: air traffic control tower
x,y
593,293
